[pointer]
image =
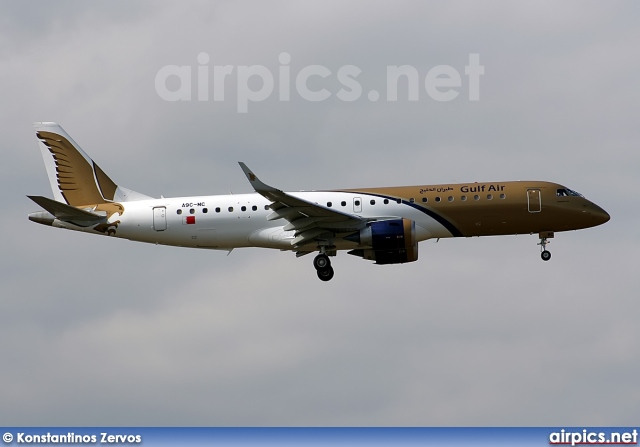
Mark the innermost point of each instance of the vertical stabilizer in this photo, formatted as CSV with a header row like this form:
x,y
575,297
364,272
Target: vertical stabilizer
x,y
75,178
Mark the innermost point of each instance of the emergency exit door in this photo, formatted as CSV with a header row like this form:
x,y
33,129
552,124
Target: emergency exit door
x,y
357,205
160,218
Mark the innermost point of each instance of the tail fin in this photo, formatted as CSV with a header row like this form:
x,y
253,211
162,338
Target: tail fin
x,y
75,179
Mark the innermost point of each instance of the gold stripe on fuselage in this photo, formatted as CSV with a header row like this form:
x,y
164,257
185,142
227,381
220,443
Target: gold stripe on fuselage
x,y
498,208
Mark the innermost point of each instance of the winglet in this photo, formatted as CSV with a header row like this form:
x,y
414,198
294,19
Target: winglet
x,y
255,181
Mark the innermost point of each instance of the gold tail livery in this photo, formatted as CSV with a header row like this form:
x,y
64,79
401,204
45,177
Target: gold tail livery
x,y
383,224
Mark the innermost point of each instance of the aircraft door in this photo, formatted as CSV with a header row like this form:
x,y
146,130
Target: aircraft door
x,y
357,205
533,200
160,218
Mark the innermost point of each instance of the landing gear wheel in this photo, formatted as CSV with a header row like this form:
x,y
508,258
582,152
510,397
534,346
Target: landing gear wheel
x,y
322,262
544,241
325,274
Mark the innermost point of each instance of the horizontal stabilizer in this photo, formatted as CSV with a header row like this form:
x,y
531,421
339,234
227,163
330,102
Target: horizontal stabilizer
x,y
67,213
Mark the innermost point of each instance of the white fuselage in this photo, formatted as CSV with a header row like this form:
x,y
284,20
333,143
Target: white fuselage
x,y
240,220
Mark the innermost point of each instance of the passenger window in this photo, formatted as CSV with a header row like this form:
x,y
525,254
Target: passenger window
x,y
217,209
463,198
437,199
266,207
243,208
192,211
398,200
476,197
425,200
231,209
329,204
343,203
503,196
450,198
489,196
386,201
205,210
254,208
372,202
412,200
179,212
356,203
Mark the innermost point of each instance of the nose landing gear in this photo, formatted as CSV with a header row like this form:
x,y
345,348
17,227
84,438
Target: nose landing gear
x,y
544,253
323,267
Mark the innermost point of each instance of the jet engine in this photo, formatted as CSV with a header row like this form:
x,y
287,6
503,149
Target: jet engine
x,y
387,241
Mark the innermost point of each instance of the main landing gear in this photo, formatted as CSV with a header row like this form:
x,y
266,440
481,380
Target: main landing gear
x,y
323,267
544,253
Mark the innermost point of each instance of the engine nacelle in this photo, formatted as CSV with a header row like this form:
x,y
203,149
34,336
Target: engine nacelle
x,y
387,241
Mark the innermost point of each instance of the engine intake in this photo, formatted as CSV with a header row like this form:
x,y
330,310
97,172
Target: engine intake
x,y
387,241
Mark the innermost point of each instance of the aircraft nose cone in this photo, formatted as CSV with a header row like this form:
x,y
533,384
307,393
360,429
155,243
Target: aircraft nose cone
x,y
604,216
600,215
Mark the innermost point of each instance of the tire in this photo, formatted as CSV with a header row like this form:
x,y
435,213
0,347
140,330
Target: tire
x,y
325,274
321,262
545,255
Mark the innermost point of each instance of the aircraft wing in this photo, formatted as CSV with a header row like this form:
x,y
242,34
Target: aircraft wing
x,y
311,221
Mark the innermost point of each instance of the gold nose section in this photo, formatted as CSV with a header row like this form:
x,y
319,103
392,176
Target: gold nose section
x,y
600,215
603,216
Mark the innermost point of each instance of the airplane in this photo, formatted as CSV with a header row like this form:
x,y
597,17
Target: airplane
x,y
383,225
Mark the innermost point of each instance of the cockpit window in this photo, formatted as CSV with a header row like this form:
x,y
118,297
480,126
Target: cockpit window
x,y
566,192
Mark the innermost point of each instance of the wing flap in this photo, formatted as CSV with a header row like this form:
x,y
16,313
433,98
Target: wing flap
x,y
304,222
284,212
308,236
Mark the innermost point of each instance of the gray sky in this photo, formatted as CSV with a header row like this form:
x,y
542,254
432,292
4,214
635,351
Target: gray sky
x,y
98,331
